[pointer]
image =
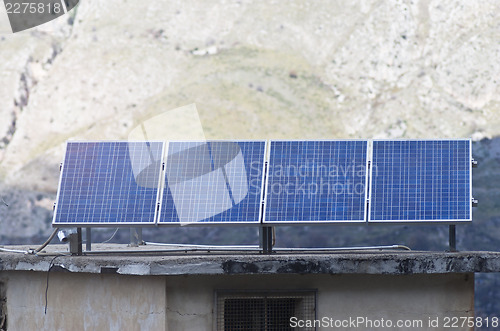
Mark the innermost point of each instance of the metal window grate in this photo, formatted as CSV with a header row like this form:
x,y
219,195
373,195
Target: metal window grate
x,y
263,311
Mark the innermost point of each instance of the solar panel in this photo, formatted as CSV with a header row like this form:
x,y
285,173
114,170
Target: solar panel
x,y
420,180
213,182
316,181
109,184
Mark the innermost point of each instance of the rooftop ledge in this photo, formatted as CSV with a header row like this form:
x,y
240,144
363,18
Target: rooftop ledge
x,y
145,260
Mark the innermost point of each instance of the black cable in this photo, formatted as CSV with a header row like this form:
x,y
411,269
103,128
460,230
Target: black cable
x,y
51,265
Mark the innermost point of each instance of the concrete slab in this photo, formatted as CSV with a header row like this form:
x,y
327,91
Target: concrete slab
x,y
154,260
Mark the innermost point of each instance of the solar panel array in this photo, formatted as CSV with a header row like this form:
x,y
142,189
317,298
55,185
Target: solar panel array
x,y
316,181
227,182
421,180
98,185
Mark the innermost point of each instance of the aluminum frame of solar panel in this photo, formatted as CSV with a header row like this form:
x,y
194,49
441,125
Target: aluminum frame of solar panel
x,y
238,212
362,196
466,199
89,193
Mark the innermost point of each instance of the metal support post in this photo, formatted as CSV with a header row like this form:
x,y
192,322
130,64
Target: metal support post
x,y
75,242
135,237
88,241
453,238
266,239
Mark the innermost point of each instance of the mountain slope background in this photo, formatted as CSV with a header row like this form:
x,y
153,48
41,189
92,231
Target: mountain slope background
x,y
256,70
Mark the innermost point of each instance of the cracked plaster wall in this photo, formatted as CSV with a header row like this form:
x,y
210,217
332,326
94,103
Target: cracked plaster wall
x,y
85,302
116,302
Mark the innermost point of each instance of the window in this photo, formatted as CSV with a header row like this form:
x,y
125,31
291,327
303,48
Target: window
x,y
263,311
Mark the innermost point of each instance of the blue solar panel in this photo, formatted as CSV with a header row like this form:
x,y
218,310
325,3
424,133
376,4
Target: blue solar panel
x,y
109,183
213,182
421,180
316,181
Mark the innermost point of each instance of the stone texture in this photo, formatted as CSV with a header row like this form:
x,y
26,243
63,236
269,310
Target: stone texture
x,y
153,260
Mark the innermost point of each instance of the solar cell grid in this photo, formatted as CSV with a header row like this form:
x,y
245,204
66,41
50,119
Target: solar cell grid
x,y
109,183
221,182
420,180
316,181
213,182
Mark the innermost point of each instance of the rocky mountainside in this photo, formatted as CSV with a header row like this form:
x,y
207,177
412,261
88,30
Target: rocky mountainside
x,y
255,69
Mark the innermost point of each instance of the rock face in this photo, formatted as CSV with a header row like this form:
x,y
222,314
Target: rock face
x,y
255,69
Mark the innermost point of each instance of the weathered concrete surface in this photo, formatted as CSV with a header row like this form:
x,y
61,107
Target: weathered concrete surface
x,y
144,288
410,297
149,260
85,301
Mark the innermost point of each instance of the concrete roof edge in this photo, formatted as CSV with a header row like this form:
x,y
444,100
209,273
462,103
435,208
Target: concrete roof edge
x,y
239,263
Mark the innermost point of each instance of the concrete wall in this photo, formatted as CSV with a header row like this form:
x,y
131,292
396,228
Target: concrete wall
x,y
411,297
116,302
84,302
